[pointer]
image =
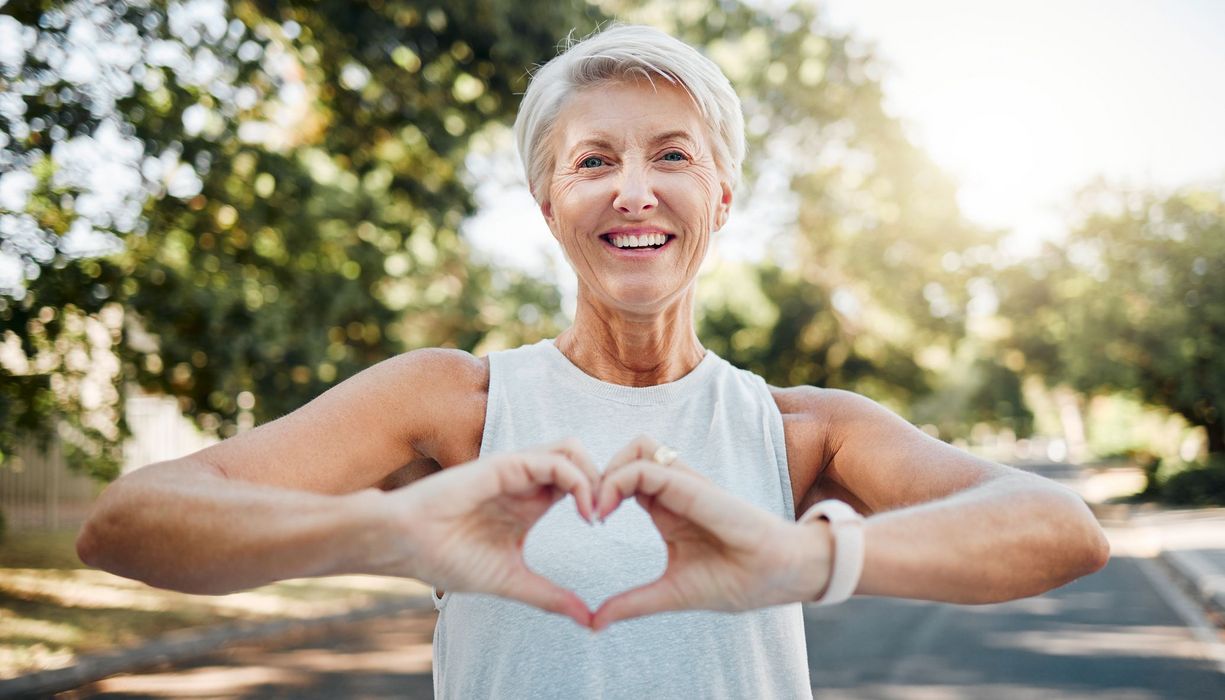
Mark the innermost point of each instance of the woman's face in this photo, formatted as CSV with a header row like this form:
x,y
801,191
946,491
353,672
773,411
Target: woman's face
x,y
634,160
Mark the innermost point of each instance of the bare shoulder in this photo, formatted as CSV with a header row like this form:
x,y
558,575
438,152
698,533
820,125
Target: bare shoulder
x,y
813,415
827,415
447,372
398,420
817,402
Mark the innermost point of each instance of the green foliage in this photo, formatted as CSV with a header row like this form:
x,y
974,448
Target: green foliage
x,y
1201,486
976,389
802,340
297,209
1195,484
300,215
875,261
1133,302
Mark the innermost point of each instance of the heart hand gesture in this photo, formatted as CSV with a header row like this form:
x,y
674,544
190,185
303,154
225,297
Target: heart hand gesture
x,y
723,553
468,523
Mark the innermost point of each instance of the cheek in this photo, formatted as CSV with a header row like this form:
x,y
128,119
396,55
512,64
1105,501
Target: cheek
x,y
700,192
572,199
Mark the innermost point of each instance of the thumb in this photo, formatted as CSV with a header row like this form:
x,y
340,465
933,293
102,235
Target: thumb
x,y
658,596
536,590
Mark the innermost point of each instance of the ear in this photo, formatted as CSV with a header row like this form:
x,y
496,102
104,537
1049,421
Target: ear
x,y
546,210
724,206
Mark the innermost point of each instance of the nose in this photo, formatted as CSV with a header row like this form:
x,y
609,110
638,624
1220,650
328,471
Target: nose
x,y
635,193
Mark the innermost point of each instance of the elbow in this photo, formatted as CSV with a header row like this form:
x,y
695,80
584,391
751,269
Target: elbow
x,y
1072,545
1085,539
1075,531
1096,550
94,548
87,545
1083,544
91,543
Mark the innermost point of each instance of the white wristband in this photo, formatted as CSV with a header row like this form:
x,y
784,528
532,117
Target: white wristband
x,y
847,528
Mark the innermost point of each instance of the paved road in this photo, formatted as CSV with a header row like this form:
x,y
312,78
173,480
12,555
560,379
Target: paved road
x,y
1110,635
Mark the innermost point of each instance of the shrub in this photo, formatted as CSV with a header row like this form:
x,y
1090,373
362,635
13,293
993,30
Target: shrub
x,y
1197,485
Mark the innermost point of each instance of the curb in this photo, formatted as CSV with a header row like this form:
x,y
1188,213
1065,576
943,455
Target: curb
x,y
187,644
1199,575
1194,573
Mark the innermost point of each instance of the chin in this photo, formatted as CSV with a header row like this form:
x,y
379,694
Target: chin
x,y
641,299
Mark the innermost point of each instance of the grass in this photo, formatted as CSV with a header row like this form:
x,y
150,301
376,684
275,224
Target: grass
x,y
39,550
54,608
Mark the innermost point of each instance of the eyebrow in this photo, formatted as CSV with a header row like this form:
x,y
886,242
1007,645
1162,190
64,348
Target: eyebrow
x,y
672,136
598,142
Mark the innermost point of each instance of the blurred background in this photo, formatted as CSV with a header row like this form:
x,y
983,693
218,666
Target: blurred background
x,y
1004,221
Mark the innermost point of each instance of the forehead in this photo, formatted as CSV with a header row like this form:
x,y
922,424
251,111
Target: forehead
x,y
627,112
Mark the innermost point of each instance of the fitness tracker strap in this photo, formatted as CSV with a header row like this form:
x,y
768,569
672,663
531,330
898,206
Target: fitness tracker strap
x,y
847,528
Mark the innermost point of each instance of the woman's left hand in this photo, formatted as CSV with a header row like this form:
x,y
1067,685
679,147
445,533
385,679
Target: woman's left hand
x,y
723,552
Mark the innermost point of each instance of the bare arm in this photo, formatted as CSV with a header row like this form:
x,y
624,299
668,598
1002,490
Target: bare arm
x,y
292,497
944,525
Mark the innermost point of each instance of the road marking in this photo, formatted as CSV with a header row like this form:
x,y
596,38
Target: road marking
x,y
1190,612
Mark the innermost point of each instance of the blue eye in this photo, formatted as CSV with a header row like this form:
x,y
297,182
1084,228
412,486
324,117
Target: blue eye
x,y
591,162
679,156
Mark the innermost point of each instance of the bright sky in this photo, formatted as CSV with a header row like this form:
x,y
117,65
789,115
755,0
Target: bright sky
x,y
1024,102
1021,102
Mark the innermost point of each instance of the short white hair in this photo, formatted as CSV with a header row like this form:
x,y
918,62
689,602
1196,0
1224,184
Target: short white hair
x,y
617,53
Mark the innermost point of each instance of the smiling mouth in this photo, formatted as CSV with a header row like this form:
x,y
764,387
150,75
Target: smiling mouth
x,y
643,242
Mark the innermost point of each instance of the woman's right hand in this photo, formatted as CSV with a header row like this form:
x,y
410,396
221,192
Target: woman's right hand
x,y
466,524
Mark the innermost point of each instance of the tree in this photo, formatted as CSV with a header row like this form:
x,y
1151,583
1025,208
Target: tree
x,y
1134,301
871,261
286,200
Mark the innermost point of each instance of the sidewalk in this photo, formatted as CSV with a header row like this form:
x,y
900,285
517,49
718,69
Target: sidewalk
x,y
1190,544
189,644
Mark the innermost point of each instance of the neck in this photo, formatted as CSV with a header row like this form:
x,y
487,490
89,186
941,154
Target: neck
x,y
633,350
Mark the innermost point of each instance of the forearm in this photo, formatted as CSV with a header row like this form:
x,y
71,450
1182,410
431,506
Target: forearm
x,y
176,525
1012,537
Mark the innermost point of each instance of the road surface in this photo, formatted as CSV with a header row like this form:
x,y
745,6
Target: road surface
x,y
1110,635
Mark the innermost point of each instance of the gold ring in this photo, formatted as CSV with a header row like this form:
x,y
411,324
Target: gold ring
x,y
664,455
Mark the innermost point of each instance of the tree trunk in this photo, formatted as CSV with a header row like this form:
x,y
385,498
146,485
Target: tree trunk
x,y
1071,419
1216,438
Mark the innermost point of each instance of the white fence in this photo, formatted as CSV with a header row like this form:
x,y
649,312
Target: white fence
x,y
39,491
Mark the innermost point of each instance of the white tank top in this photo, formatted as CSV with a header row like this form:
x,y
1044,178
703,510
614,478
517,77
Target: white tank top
x,y
724,423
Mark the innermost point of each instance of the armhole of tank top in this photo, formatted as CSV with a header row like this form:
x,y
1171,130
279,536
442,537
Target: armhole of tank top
x,y
492,405
493,400
772,425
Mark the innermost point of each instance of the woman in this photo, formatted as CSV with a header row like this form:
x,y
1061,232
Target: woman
x,y
686,474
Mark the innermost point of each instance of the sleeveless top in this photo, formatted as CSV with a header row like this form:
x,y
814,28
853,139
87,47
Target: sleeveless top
x,y
723,422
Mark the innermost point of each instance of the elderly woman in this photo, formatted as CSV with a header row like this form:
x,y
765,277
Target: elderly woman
x,y
619,467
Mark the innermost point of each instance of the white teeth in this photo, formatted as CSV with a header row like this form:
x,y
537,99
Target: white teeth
x,y
623,241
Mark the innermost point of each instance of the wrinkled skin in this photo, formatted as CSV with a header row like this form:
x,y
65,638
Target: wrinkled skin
x,y
629,153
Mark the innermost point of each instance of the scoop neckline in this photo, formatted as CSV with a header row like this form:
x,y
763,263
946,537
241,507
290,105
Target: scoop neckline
x,y
657,394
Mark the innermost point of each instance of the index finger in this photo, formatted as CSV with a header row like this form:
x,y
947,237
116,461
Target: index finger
x,y
687,494
641,447
531,470
673,489
573,449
